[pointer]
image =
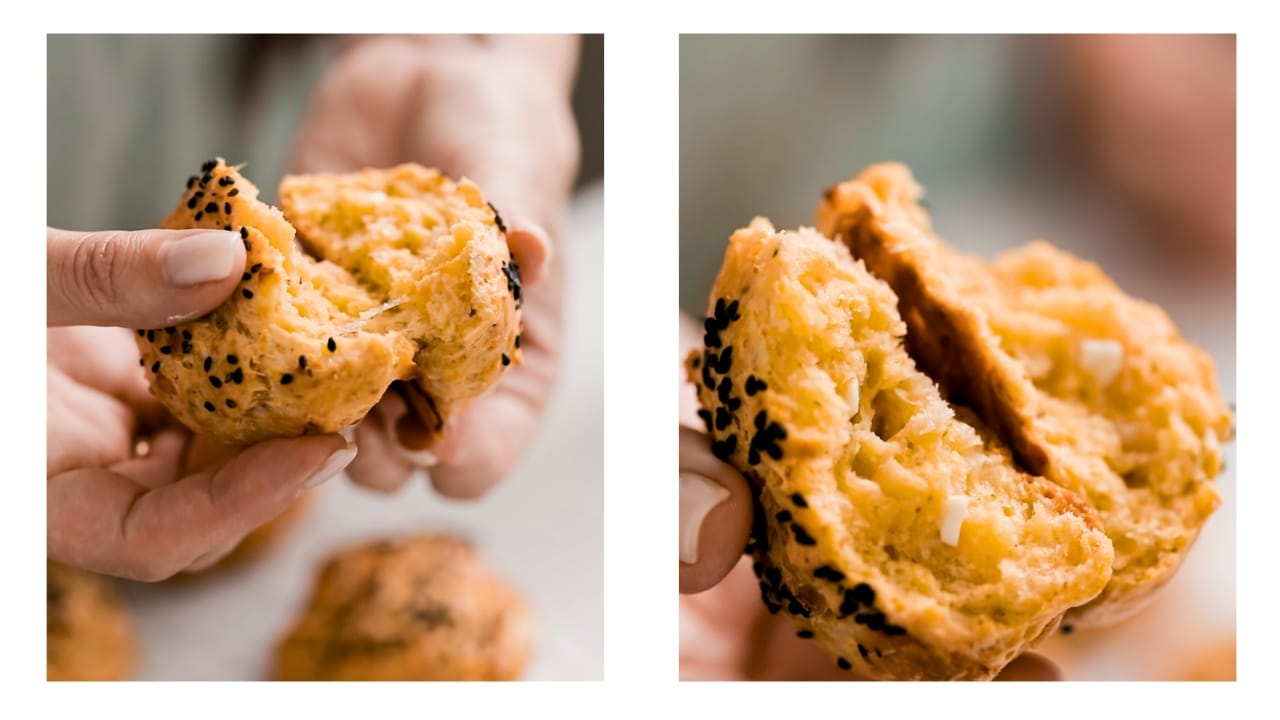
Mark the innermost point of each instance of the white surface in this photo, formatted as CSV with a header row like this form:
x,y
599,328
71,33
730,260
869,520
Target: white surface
x,y
542,528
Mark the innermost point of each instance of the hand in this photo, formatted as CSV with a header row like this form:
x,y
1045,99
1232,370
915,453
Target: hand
x,y
726,633
130,492
495,110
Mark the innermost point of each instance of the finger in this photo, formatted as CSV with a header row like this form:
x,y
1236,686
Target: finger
x,y
715,514
140,279
531,247
379,466
85,428
211,558
1030,667
105,522
162,462
105,358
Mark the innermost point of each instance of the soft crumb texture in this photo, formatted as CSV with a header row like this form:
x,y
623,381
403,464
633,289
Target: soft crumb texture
x,y
436,249
1091,388
309,346
805,386
418,608
90,634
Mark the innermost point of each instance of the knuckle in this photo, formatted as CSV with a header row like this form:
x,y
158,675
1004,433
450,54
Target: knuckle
x,y
94,265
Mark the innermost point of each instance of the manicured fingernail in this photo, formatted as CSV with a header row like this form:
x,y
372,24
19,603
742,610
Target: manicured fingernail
x,y
201,258
419,458
334,465
698,496
348,433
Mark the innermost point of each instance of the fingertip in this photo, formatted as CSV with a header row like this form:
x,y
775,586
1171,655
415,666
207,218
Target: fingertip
x,y
1030,667
715,514
531,246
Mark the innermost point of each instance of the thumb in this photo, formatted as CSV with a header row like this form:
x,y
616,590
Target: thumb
x,y
715,514
140,279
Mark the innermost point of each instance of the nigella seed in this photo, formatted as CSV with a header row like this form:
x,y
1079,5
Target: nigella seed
x,y
192,181
862,650
844,664
806,634
209,165
706,417
211,208
755,385
186,347
225,180
142,363
286,379
785,516
170,330
826,572
155,366
231,403
724,449
199,215
208,363
191,204
723,418
186,334
237,375
505,360
245,276
802,536
234,192
863,594
892,630
232,359
798,500
151,336
244,233
142,333
256,267
517,342
248,294
302,361
226,207
208,406
333,346
214,381
166,350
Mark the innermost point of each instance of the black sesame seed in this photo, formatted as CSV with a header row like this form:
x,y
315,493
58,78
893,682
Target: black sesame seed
x,y
247,293
191,204
798,500
186,347
186,334
773,575
285,379
755,385
208,363
231,403
214,381
211,207
170,330
843,664
142,333
826,572
497,219
234,192
209,165
892,630
199,214
155,366
505,360
192,181
225,180
804,634
863,594
151,336
227,226
706,417
245,276
142,363
244,232
236,376
802,536
517,342
208,406
333,346
862,650
226,208
248,245
784,516
302,361
166,350
256,267
723,418
204,179
724,449
232,359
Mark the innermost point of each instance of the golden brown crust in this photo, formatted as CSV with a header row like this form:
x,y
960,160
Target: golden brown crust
x,y
1093,389
90,634
417,608
858,464
307,346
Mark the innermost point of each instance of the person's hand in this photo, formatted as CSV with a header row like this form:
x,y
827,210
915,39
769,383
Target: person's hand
x,y
130,492
726,632
495,110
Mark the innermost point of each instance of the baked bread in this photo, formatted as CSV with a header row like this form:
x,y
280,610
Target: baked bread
x,y
418,608
1089,387
90,634
414,282
894,532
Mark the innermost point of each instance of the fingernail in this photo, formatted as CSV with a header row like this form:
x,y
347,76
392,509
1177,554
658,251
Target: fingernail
x,y
348,433
200,258
334,465
419,458
698,496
